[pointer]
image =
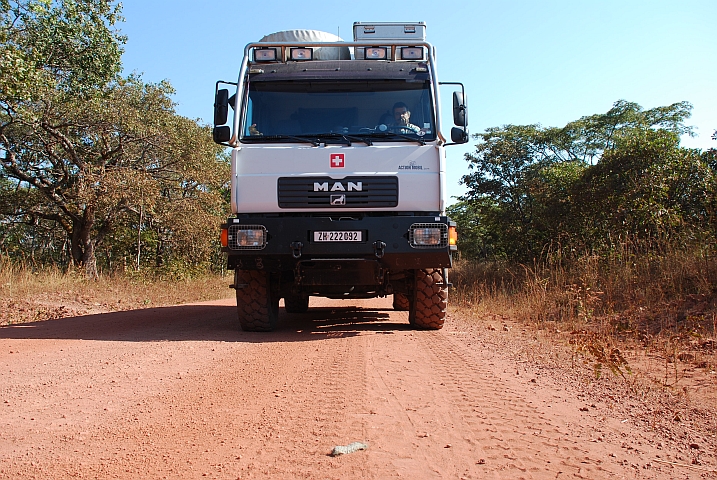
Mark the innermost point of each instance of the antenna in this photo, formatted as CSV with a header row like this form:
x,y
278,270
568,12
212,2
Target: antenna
x,y
338,31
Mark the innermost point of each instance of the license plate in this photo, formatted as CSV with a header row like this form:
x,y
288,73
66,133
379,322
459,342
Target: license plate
x,y
350,236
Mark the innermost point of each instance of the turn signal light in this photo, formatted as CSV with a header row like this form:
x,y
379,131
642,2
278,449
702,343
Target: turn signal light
x,y
452,236
225,237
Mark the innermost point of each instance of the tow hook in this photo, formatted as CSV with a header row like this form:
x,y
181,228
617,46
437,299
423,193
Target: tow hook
x,y
296,249
379,248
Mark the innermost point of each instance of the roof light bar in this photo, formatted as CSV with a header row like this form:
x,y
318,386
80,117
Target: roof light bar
x,y
300,54
375,53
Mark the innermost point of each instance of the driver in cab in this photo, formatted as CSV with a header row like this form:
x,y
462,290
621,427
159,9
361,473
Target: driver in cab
x,y
401,120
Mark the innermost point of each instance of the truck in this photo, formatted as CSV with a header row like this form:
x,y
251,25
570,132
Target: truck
x,y
338,182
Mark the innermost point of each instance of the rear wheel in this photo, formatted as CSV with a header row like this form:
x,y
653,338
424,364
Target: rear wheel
x,y
257,301
296,303
431,300
400,302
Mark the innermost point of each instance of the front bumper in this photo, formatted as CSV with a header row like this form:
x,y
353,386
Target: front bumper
x,y
289,240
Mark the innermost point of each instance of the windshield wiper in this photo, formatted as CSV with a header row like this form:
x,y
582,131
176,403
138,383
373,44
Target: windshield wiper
x,y
347,138
399,135
312,141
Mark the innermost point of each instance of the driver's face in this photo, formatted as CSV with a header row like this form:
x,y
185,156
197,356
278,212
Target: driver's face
x,y
401,115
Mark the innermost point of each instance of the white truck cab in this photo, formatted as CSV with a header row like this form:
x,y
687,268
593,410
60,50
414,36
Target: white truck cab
x,y
338,172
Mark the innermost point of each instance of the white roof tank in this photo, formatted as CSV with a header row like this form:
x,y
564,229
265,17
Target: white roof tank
x,y
321,53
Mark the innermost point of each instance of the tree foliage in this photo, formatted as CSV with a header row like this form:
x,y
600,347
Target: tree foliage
x,y
69,45
93,161
598,181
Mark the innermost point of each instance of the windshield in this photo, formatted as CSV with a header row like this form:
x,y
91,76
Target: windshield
x,y
391,110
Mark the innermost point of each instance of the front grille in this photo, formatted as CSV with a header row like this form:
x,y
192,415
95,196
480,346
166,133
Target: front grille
x,y
349,192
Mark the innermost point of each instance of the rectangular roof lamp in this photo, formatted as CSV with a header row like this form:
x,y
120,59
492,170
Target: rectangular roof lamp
x,y
412,53
265,54
375,53
301,54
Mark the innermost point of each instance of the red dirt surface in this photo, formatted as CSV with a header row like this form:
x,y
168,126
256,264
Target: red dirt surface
x,y
180,392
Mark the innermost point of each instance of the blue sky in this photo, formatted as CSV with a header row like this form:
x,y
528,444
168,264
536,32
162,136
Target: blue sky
x,y
521,61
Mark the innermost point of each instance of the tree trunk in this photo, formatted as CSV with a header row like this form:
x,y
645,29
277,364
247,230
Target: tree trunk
x,y
90,262
83,247
139,235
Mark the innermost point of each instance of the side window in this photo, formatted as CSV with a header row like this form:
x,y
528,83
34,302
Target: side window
x,y
249,120
426,111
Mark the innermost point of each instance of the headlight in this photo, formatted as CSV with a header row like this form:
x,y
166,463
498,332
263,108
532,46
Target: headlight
x,y
246,237
426,235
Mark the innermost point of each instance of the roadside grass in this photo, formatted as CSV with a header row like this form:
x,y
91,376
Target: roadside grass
x,y
657,311
35,294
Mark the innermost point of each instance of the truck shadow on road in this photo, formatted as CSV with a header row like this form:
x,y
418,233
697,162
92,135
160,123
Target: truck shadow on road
x,y
341,321
206,322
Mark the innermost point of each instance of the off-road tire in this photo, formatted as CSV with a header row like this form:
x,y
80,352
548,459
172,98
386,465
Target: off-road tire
x,y
257,305
296,304
431,300
401,302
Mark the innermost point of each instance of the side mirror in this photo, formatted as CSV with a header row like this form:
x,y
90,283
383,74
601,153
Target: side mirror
x,y
221,107
460,118
221,134
459,135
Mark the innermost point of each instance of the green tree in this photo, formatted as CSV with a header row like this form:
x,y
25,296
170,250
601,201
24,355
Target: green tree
x,y
87,164
475,239
523,177
91,153
69,45
646,190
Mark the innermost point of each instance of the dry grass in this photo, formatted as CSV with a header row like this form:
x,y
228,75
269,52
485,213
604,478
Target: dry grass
x,y
663,306
651,321
35,295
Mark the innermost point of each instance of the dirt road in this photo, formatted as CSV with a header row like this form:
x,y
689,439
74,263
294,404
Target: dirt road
x,y
179,392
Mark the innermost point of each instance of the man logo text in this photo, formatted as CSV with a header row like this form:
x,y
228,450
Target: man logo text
x,y
338,187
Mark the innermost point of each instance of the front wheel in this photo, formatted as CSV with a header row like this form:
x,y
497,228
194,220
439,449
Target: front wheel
x,y
257,301
401,302
296,303
431,300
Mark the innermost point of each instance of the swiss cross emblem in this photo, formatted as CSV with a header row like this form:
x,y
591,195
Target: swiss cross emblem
x,y
337,160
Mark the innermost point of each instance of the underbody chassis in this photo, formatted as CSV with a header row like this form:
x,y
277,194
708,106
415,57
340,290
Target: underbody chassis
x,y
339,257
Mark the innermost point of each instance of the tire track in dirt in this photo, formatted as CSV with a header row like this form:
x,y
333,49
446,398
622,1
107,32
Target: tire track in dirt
x,y
271,411
518,440
423,419
181,393
318,411
442,410
249,406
